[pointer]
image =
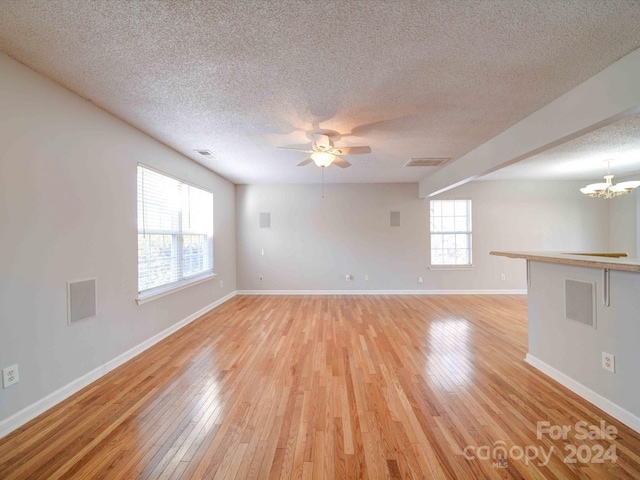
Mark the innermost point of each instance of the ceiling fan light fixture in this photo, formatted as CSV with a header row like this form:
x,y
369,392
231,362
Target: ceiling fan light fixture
x,y
322,159
323,153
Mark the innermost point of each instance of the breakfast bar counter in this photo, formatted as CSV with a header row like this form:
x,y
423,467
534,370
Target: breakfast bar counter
x,y
584,325
612,261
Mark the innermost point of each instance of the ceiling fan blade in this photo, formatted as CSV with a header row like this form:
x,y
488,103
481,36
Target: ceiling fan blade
x,y
305,162
306,150
341,162
352,150
322,141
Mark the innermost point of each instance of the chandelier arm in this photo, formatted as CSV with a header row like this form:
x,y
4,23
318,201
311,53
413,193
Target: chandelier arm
x,y
608,189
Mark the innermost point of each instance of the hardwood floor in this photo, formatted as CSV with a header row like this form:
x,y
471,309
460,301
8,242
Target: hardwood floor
x,y
327,387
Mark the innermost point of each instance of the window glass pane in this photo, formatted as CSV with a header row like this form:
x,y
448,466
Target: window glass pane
x,y
461,208
447,208
175,230
436,208
461,224
193,253
449,241
450,256
462,257
448,224
155,265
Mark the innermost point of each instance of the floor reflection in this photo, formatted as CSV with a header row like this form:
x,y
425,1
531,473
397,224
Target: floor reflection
x,y
449,357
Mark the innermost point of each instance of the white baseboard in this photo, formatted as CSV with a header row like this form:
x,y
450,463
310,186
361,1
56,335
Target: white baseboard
x,y
28,413
598,400
382,292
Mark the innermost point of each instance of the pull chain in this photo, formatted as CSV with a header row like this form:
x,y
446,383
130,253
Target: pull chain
x,y
322,182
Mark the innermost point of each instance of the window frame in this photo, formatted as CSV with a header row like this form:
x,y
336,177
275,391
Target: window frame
x,y
468,232
177,243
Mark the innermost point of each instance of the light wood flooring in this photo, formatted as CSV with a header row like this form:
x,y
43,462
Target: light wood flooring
x,y
326,387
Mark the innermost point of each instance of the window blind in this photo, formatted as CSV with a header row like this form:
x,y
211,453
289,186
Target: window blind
x,y
175,231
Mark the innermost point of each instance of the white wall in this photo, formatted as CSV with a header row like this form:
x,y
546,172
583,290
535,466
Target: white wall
x,y
526,216
637,225
623,222
575,349
314,242
68,212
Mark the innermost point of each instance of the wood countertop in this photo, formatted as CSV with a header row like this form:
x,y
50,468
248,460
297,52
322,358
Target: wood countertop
x,y
612,261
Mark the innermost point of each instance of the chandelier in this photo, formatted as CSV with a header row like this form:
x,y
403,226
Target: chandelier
x,y
607,189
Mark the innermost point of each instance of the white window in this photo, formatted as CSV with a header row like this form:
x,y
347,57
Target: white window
x,y
175,233
450,232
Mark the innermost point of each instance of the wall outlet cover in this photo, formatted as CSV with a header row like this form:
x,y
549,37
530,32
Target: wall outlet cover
x,y
10,376
609,362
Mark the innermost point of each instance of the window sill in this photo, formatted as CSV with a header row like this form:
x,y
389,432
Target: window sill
x,y
451,267
155,294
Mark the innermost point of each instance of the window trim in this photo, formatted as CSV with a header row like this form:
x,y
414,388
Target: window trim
x,y
160,291
470,266
164,290
453,266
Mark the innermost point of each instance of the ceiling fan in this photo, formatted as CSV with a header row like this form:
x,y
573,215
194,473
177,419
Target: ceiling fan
x,y
324,153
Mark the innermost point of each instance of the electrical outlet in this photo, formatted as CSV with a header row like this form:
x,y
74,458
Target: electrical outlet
x,y
260,277
503,276
262,251
348,278
366,278
221,284
609,362
10,376
420,280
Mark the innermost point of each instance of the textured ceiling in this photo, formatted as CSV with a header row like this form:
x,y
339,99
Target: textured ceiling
x,y
584,157
408,78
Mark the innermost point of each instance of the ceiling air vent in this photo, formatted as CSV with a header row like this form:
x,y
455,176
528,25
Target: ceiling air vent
x,y
426,162
206,153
